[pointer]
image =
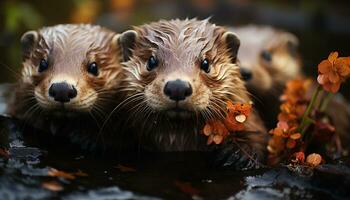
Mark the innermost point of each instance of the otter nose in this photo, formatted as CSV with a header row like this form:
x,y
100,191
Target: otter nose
x,y
62,92
177,90
246,73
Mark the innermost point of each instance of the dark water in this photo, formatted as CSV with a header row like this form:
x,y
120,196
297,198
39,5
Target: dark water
x,y
152,176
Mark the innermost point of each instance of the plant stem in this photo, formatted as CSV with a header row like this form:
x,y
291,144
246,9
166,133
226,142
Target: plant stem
x,y
304,122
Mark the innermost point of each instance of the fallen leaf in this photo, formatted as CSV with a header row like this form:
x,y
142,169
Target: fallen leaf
x,y
4,153
80,173
123,168
56,173
187,188
52,186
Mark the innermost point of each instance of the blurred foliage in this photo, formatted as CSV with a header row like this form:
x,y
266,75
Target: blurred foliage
x,y
17,14
85,11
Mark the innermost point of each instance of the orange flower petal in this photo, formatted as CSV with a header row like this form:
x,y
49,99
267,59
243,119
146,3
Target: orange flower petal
x,y
241,118
314,159
321,79
278,132
295,136
333,56
283,125
334,88
230,106
210,139
217,139
291,144
207,130
342,66
325,66
300,156
333,77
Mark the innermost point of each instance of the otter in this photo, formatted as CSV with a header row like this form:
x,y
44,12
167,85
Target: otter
x,y
180,73
69,79
268,58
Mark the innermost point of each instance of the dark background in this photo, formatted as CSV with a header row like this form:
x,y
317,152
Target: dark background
x,y
321,25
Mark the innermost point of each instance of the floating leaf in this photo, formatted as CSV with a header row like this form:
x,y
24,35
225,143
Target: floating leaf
x,y
124,168
4,153
80,173
52,186
187,188
57,173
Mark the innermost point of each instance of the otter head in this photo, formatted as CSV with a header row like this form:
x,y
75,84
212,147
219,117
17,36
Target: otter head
x,y
69,68
182,68
268,57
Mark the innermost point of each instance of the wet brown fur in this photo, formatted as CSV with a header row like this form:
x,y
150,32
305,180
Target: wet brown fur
x,y
69,49
180,45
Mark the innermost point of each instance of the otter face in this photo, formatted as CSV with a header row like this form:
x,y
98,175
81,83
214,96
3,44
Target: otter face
x,y
267,56
68,68
182,67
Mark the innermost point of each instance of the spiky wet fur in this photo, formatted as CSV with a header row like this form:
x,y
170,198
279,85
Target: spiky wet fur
x,y
179,44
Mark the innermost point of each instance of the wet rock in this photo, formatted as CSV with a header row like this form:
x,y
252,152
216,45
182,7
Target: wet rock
x,y
106,194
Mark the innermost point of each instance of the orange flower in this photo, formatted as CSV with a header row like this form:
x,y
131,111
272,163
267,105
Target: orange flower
x,y
217,130
276,145
314,159
299,157
239,108
284,131
286,137
237,114
333,71
296,90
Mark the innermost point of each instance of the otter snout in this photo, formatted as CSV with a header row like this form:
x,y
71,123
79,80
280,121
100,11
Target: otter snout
x,y
62,92
246,73
177,90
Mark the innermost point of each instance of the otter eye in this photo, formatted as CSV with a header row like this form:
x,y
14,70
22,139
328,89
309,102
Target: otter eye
x,y
152,63
93,68
43,65
266,55
205,66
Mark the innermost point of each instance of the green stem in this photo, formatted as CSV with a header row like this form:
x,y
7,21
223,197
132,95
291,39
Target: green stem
x,y
308,122
325,102
304,122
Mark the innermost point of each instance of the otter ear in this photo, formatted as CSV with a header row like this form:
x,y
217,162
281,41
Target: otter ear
x,y
29,40
232,43
292,44
126,40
